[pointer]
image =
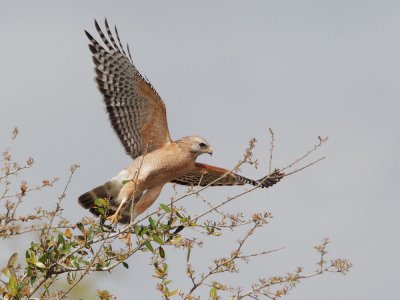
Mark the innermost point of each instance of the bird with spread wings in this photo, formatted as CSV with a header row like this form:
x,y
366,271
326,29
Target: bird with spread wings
x,y
138,115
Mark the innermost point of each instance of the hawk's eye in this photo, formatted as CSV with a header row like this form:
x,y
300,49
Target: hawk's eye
x,y
202,145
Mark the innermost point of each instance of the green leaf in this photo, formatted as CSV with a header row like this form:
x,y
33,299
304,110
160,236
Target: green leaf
x,y
30,261
11,263
173,293
157,239
60,238
43,257
12,260
179,229
40,265
165,207
167,282
79,238
137,230
149,246
13,286
188,254
90,233
66,248
152,223
125,265
162,252
101,202
144,231
80,227
213,293
165,268
76,264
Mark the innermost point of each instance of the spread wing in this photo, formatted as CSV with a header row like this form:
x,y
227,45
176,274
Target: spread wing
x,y
137,113
210,175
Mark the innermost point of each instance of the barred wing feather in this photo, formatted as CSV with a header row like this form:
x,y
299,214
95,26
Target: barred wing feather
x,y
137,113
205,175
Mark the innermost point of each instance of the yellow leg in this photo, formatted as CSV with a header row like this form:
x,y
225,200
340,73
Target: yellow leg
x,y
115,217
126,193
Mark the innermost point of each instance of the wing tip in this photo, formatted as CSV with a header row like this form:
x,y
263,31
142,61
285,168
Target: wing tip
x,y
96,24
89,36
271,179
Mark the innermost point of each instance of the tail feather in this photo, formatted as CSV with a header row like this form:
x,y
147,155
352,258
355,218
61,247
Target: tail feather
x,y
108,190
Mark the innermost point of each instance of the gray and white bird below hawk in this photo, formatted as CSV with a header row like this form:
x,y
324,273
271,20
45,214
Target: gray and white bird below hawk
x,y
138,116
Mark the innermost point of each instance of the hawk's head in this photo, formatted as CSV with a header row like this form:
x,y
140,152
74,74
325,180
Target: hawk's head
x,y
196,145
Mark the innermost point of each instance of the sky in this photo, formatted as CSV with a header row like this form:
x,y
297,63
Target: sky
x,y
229,70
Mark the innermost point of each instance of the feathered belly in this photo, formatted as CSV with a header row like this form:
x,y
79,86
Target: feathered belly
x,y
159,169
165,174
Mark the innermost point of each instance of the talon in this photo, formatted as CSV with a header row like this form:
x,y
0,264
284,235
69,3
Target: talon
x,y
113,218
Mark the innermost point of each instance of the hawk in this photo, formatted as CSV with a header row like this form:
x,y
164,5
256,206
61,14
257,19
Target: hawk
x,y
138,116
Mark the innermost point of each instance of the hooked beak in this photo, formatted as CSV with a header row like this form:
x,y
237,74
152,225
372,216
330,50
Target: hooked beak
x,y
209,151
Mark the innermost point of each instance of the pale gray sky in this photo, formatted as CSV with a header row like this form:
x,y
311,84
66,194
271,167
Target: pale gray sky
x,y
227,71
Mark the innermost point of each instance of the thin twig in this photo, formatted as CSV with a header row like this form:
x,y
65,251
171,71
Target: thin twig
x,y
271,149
305,167
60,198
316,146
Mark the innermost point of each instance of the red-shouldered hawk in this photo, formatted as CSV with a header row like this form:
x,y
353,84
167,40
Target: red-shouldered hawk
x,y
138,116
